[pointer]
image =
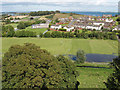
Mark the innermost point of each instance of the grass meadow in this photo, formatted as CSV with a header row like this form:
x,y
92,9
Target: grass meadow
x,y
93,77
65,46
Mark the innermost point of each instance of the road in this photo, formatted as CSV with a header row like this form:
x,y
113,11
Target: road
x,y
71,23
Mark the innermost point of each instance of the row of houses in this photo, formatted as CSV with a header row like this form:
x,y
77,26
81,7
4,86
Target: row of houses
x,y
88,26
57,27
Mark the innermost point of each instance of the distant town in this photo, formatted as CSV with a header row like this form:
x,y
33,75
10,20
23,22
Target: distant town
x,y
68,24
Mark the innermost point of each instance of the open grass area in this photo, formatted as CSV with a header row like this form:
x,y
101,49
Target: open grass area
x,y
12,24
96,64
65,46
93,77
37,30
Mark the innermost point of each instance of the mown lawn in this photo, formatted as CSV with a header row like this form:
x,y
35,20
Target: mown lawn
x,y
93,77
37,30
12,24
65,46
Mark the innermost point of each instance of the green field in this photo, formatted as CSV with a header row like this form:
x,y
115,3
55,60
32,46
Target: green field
x,y
88,77
37,30
93,77
65,46
13,24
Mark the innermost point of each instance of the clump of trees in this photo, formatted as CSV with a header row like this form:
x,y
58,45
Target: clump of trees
x,y
23,25
8,31
80,56
29,66
113,81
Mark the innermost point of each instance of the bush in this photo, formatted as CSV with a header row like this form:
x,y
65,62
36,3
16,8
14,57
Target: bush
x,y
62,29
56,34
8,31
47,35
21,25
28,66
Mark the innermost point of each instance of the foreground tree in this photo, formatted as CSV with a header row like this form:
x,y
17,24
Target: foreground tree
x,y
81,57
28,66
113,81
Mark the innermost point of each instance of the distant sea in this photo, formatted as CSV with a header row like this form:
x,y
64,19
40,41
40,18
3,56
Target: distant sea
x,y
91,13
77,12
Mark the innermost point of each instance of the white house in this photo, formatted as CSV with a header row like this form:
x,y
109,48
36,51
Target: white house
x,y
56,26
99,23
109,20
96,27
42,25
68,28
116,28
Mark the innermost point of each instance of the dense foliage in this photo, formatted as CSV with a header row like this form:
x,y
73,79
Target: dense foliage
x,y
84,35
113,81
8,31
25,33
81,57
23,25
28,66
62,29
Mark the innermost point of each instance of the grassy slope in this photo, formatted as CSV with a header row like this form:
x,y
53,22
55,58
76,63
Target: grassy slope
x,y
60,15
93,77
66,15
65,46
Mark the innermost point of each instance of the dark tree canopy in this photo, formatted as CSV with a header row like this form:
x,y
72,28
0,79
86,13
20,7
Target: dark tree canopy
x,y
8,31
28,66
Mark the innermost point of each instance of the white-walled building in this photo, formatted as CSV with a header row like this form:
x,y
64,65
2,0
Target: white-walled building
x,y
99,23
56,26
42,25
68,29
92,27
109,20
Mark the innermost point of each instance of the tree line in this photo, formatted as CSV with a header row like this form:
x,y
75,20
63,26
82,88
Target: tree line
x,y
41,13
82,35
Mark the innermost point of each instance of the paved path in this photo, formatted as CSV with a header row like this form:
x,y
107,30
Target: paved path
x,y
45,31
118,38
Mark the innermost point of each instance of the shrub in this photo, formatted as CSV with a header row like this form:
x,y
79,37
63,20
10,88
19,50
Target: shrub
x,y
81,57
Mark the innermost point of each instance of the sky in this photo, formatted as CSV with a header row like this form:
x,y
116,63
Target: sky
x,y
62,5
